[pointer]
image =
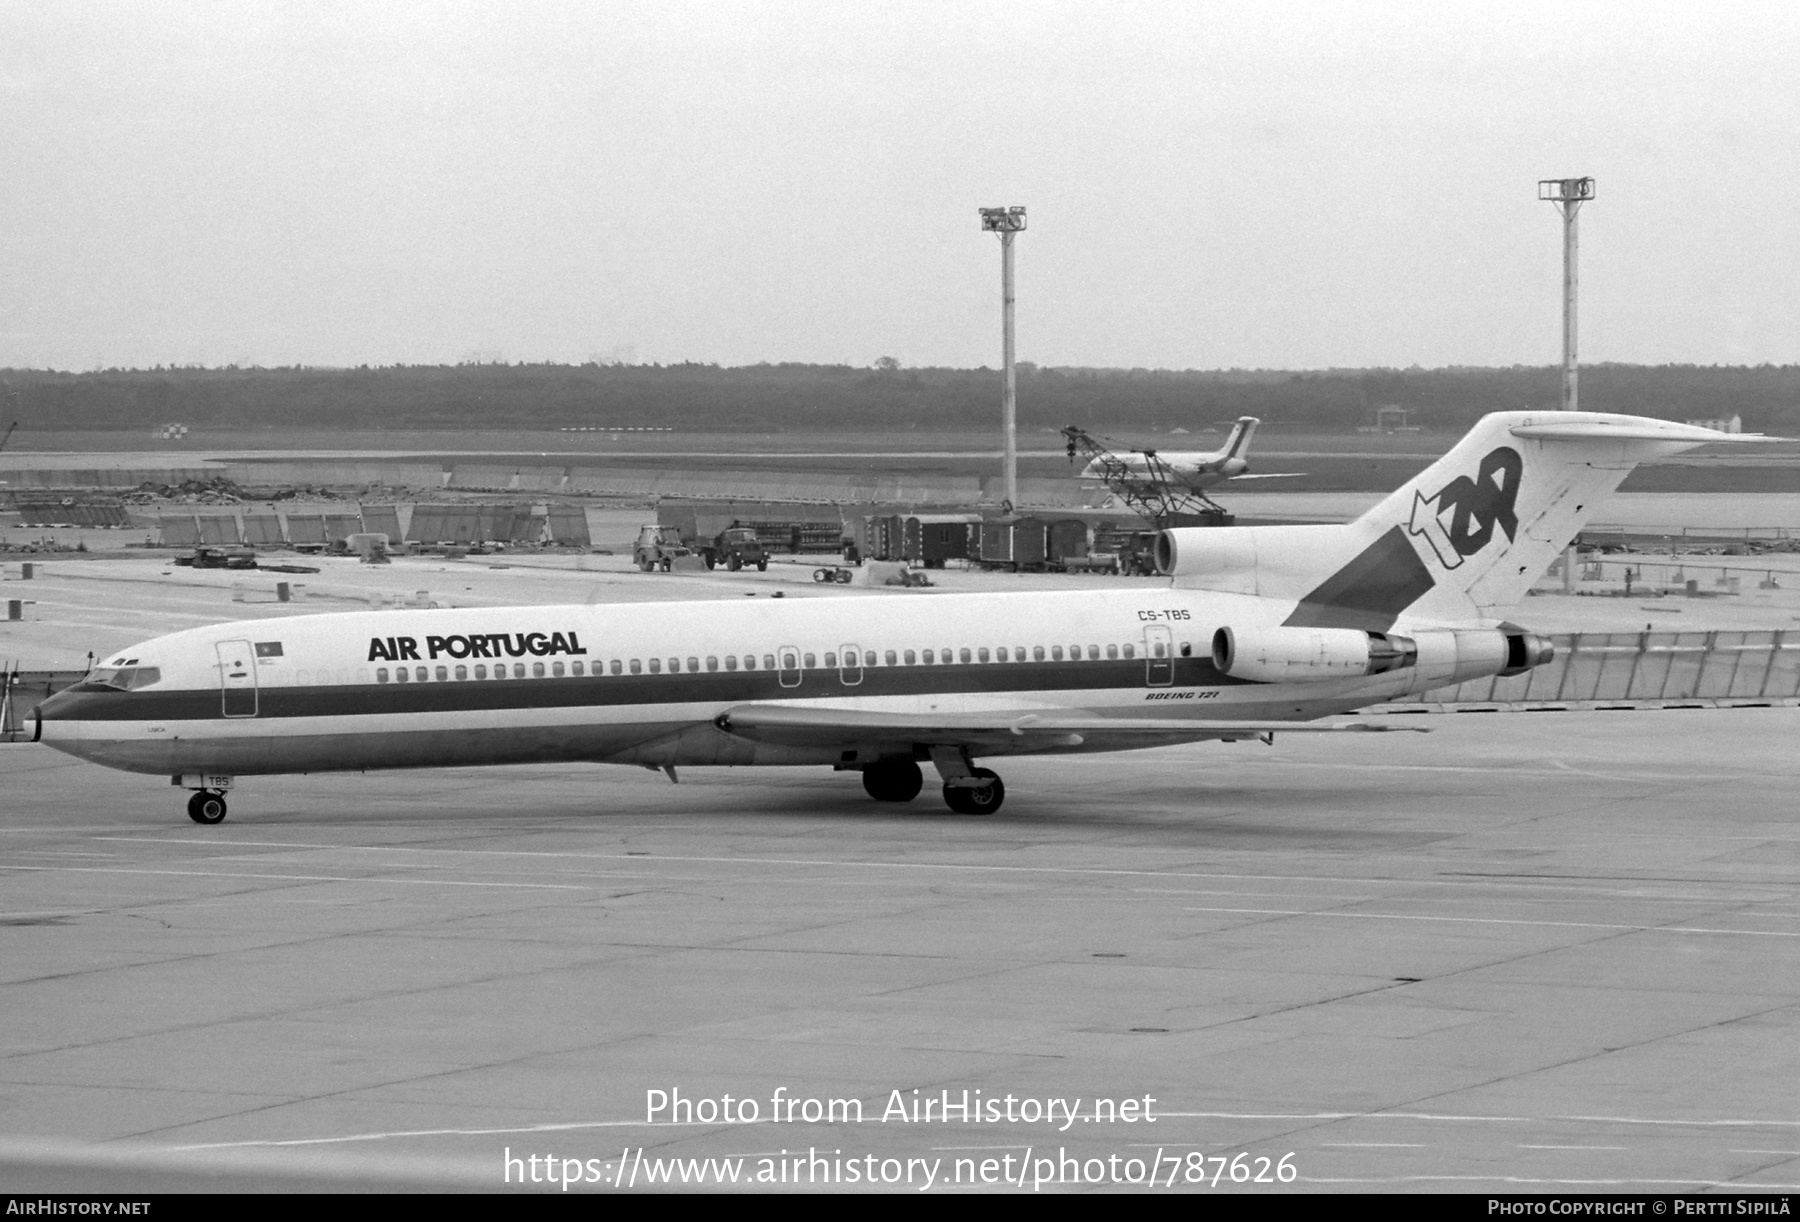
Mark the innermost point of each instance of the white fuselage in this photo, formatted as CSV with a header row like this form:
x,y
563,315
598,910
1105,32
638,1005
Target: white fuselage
x,y
643,683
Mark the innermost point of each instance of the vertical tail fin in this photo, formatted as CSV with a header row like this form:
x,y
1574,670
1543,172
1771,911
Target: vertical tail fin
x,y
1237,445
1463,539
1486,519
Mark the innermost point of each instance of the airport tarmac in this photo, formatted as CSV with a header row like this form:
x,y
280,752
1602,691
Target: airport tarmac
x,y
1524,952
1555,952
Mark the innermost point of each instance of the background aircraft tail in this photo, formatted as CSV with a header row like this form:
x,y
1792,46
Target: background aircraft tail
x,y
1237,445
1463,539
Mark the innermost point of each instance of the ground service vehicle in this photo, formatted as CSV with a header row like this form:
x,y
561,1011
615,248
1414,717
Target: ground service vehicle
x,y
735,547
658,547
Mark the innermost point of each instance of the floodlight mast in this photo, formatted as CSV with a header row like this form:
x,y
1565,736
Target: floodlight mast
x,y
1568,194
1006,222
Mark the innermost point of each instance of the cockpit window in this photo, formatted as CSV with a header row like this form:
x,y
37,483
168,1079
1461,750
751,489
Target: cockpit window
x,y
127,678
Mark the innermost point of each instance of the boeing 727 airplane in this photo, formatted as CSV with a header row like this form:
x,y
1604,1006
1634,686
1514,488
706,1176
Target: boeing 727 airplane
x,y
1257,629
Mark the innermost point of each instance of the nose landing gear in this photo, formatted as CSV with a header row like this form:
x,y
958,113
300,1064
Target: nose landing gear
x,y
207,806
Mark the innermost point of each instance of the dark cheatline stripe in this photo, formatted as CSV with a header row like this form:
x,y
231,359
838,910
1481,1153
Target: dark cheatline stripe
x,y
1370,592
97,703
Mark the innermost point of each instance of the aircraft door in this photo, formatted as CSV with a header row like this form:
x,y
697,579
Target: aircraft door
x,y
788,670
1159,657
850,665
237,677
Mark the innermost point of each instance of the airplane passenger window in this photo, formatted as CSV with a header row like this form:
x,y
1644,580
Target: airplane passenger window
x,y
1037,653
462,672
1019,652
421,674
893,659
964,655
381,674
1187,650
980,654
1112,651
518,670
712,663
537,670
576,668
809,662
693,666
768,661
1093,653
1056,653
480,671
655,666
1158,649
910,657
831,661
400,675
443,674
556,670
637,667
618,669
930,658
1000,654
674,666
730,661
1130,651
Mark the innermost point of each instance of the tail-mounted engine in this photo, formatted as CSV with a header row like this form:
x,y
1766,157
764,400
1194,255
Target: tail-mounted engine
x,y
1301,655
1435,657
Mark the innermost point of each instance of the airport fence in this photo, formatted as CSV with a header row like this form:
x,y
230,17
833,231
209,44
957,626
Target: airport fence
x,y
1636,670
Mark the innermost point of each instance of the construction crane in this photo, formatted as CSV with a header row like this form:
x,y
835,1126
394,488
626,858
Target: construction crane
x,y
1146,483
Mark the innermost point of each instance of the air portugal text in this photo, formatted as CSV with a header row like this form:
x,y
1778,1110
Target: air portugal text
x,y
481,645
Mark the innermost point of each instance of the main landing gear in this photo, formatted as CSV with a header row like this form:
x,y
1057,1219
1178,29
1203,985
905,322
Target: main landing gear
x,y
969,791
893,780
207,806
982,798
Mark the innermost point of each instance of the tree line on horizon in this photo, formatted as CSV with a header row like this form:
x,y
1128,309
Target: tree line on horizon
x,y
887,397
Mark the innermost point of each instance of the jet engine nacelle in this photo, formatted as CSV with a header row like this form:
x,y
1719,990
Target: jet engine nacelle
x,y
1436,657
1269,561
1304,655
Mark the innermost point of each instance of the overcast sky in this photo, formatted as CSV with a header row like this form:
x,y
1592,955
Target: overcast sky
x,y
1209,185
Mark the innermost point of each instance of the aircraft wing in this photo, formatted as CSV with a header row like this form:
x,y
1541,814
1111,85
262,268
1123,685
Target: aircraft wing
x,y
812,726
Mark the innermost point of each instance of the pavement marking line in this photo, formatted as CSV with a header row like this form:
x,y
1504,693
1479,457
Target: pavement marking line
x,y
654,858
1792,1153
1374,1145
1723,1122
1526,1147
295,878
1520,1179
1395,916
497,1132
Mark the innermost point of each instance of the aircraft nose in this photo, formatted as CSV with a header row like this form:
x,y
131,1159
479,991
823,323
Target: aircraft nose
x,y
54,721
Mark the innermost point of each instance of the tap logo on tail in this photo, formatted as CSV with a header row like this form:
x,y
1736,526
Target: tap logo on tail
x,y
1459,521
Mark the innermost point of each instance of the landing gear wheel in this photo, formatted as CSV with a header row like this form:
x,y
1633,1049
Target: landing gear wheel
x,y
982,799
667,564
734,562
762,566
893,781
207,806
711,561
